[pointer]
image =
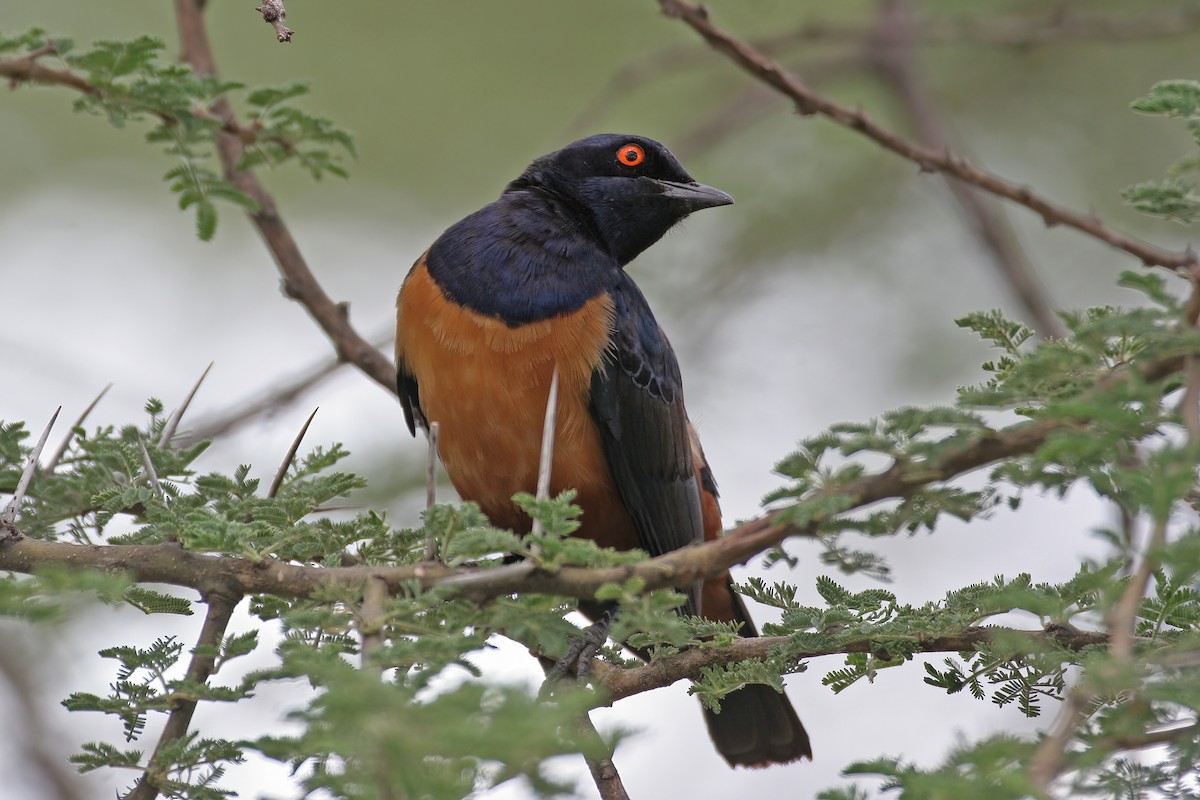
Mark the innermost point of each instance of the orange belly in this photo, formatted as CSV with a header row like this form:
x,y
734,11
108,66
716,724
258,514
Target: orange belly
x,y
486,386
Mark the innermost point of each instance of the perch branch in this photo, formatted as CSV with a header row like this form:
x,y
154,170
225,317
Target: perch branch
x,y
168,563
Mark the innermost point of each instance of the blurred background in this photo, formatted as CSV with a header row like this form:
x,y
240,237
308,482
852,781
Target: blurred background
x,y
827,293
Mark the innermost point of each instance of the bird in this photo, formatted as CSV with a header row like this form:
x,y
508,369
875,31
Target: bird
x,y
532,284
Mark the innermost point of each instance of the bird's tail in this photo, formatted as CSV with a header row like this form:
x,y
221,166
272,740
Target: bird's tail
x,y
757,725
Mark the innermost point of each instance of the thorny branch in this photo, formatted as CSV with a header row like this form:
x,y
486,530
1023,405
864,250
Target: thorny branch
x,y
928,159
168,563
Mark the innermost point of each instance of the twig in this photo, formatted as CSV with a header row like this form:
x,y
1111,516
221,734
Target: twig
x,y
1124,614
66,442
299,283
747,107
202,666
291,455
1047,761
274,14
546,457
431,486
890,52
808,102
282,394
12,511
173,423
604,771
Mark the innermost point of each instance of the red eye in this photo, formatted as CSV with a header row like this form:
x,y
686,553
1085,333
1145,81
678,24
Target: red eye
x,y
631,155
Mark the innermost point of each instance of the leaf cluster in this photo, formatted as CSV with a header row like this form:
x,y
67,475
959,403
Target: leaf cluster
x,y
130,82
1175,198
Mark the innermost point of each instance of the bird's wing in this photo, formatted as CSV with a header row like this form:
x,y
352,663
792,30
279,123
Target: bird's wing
x,y
406,382
637,402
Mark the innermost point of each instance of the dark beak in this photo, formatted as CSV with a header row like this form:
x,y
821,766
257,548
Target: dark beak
x,y
694,196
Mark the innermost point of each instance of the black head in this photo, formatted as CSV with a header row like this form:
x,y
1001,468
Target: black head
x,y
629,189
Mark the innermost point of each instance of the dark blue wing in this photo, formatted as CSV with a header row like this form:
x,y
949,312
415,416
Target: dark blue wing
x,y
637,401
406,382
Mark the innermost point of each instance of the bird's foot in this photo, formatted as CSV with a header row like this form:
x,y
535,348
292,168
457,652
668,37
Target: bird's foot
x,y
581,650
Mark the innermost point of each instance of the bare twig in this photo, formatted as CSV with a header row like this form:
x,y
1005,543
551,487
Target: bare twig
x,y
274,14
604,771
202,666
749,106
808,102
56,457
431,486
890,52
284,393
291,455
173,423
12,511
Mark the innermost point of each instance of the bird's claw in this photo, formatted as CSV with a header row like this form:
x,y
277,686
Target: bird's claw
x,y
581,650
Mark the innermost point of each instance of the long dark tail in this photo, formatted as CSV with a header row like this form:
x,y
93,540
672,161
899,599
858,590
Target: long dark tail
x,y
757,725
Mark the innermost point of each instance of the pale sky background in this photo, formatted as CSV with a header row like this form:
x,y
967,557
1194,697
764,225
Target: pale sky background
x,y
827,293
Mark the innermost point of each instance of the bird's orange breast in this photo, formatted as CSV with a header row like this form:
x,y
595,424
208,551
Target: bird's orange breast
x,y
486,385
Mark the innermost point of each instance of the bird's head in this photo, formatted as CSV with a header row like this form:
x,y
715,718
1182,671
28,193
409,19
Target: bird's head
x,y
629,189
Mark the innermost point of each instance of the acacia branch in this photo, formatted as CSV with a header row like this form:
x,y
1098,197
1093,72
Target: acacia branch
x,y
621,682
809,102
171,564
203,665
299,283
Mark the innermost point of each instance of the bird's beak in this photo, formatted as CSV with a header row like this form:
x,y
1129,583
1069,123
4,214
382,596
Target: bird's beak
x,y
695,195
